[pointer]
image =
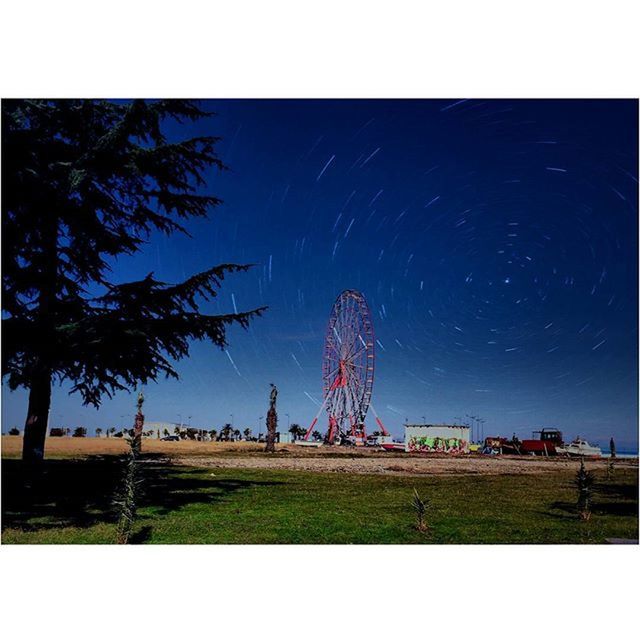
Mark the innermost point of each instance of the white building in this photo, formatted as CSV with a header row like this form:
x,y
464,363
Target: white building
x,y
436,438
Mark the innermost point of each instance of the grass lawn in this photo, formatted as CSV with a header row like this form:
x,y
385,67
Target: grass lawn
x,y
71,503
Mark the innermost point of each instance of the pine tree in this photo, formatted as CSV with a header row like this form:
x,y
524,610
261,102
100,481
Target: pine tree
x,y
86,181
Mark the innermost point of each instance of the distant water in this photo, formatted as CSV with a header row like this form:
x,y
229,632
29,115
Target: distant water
x,y
621,454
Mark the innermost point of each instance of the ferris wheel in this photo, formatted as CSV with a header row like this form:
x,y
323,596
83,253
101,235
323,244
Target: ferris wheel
x,y
347,368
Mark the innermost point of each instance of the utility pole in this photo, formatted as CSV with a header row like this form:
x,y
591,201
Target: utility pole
x,y
472,421
260,418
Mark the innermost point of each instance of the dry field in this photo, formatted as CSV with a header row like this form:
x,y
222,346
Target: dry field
x,y
247,455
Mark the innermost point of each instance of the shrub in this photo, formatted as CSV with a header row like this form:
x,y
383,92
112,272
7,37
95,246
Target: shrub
x,y
584,483
420,507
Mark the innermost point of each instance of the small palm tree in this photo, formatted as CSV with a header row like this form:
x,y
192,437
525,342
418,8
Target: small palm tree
x,y
98,432
247,433
213,434
420,507
316,435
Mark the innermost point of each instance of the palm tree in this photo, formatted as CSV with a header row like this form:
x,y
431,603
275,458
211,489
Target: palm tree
x,y
297,431
316,435
98,432
213,434
247,433
236,434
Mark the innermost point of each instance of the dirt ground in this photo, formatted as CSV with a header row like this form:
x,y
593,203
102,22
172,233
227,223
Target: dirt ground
x,y
249,455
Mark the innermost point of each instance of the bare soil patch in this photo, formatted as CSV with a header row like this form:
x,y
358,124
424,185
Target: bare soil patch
x,y
249,455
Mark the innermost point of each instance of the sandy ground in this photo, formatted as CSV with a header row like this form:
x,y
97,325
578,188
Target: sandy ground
x,y
246,455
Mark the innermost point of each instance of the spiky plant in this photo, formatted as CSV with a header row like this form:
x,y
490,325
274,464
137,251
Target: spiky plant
x,y
420,507
584,483
610,468
126,498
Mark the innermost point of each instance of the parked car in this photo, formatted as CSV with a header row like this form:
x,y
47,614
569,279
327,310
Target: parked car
x,y
170,439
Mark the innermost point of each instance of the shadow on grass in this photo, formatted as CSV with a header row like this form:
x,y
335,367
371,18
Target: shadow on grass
x,y
80,493
569,509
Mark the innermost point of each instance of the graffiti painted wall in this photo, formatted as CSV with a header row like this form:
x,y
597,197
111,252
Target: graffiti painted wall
x,y
437,445
436,438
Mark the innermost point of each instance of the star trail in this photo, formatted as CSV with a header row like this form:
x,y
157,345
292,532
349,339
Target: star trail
x,y
494,240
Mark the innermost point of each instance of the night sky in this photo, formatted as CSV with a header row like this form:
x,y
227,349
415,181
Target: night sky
x,y
494,240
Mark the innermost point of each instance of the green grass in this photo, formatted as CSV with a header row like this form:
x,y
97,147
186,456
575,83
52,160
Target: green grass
x,y
71,504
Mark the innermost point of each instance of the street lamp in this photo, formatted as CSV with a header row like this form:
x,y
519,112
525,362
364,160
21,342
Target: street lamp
x,y
189,422
180,417
231,414
288,421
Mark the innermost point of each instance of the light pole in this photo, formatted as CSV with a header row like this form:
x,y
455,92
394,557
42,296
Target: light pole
x,y
231,414
180,418
189,422
424,420
259,423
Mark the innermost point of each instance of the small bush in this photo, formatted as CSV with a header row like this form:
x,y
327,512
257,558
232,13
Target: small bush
x,y
420,507
584,483
79,432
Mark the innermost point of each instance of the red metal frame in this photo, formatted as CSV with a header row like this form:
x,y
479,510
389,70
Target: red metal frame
x,y
348,367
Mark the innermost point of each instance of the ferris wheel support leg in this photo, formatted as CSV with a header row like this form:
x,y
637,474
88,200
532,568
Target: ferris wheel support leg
x,y
310,429
382,427
313,424
333,427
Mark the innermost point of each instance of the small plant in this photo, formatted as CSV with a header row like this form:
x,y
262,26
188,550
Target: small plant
x,y
420,507
584,482
610,468
126,499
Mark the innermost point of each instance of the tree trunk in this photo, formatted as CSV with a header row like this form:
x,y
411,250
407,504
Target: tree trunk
x,y
272,425
35,428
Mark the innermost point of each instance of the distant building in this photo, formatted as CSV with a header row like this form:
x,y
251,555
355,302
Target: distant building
x,y
161,426
436,438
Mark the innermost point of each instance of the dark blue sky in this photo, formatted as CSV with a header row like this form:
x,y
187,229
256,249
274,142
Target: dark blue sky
x,y
495,241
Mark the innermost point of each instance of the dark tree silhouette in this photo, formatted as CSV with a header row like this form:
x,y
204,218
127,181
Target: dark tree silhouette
x,y
85,181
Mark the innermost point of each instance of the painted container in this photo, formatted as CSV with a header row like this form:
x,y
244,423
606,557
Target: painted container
x,y
436,438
